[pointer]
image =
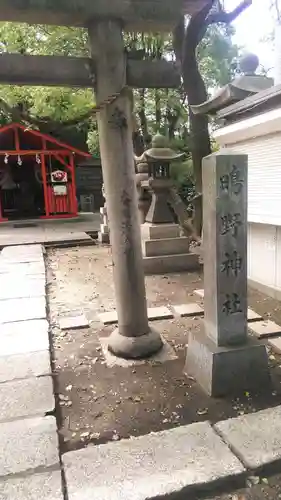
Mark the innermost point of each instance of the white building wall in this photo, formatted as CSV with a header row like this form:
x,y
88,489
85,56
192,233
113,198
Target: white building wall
x,y
260,138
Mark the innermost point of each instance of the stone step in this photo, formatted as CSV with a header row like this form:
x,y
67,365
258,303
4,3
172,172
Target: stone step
x,y
171,263
165,246
168,463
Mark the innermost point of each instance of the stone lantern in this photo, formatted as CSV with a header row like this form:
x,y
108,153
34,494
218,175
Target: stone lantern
x,y
159,159
144,197
164,250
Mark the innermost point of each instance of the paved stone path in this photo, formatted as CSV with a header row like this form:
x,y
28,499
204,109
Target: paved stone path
x,y
189,459
47,232
29,458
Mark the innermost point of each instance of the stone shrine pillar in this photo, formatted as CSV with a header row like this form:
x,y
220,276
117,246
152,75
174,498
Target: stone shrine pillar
x,y
164,249
222,357
103,235
133,338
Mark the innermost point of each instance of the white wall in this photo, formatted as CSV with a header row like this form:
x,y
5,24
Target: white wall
x,y
260,138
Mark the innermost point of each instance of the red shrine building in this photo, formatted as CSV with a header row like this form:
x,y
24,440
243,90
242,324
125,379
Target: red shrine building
x,y
37,175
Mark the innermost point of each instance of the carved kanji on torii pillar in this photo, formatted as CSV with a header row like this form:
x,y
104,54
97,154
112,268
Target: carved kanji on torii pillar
x,y
112,71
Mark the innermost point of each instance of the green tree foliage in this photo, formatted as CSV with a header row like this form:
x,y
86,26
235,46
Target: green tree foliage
x,y
58,104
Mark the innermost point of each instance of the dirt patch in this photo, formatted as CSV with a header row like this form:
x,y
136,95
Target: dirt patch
x,y
97,403
266,489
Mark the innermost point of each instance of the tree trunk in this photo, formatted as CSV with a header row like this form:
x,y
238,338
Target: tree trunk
x,y
157,110
142,115
138,143
199,131
184,220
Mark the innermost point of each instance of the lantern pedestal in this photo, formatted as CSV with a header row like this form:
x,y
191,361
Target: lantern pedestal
x,y
165,251
103,235
144,197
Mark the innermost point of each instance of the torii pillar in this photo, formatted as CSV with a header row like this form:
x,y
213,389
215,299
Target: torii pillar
x,y
133,338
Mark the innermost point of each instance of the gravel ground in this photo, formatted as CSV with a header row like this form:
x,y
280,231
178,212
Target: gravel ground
x,y
97,403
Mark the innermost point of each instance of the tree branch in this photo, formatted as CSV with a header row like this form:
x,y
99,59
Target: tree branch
x,y
178,39
228,17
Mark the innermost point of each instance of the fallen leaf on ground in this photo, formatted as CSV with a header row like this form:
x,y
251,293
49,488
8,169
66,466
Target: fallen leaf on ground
x,y
137,399
95,435
253,480
202,412
84,434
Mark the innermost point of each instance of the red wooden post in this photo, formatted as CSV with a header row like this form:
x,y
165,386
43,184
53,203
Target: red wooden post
x,y
45,187
17,139
73,185
1,215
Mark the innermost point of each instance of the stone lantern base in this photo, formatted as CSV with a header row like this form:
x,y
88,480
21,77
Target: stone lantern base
x,y
165,251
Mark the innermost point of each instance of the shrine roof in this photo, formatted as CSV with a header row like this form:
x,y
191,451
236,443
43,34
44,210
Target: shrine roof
x,y
235,92
144,15
265,100
16,137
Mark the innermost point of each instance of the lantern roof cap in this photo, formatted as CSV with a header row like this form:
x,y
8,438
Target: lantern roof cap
x,y
160,150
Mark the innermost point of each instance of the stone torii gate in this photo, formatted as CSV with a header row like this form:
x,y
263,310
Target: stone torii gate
x,y
106,20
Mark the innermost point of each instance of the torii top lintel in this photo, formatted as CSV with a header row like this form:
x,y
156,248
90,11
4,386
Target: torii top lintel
x,y
143,15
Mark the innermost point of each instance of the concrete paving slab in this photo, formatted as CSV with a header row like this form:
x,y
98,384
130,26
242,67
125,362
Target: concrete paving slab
x,y
152,466
263,329
157,313
22,309
22,250
46,486
167,353
253,316
22,269
73,322
22,257
21,288
200,293
20,366
28,444
275,344
108,318
24,337
154,313
187,310
26,398
27,237
254,438
66,237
